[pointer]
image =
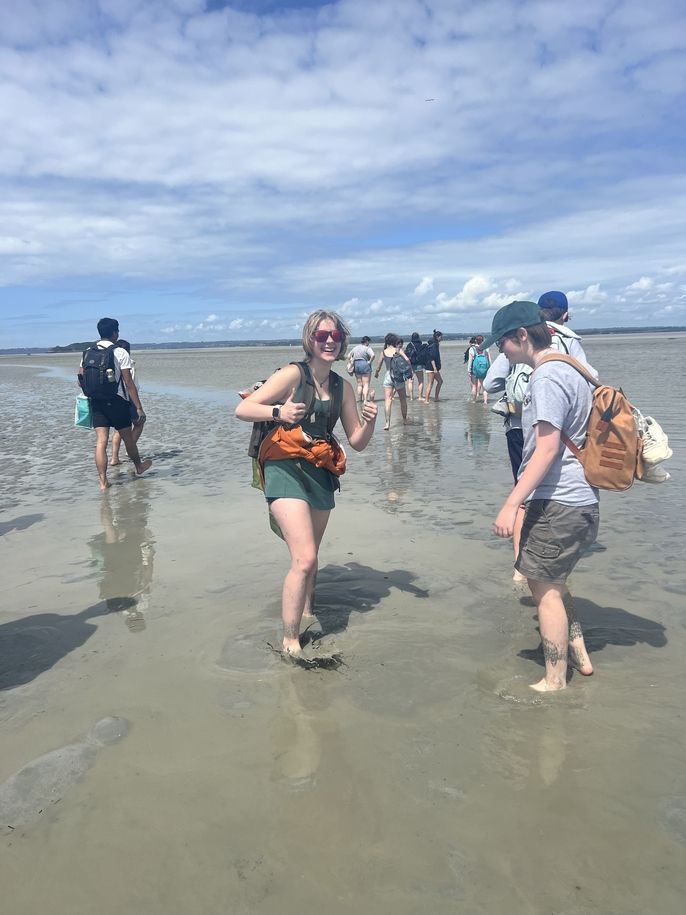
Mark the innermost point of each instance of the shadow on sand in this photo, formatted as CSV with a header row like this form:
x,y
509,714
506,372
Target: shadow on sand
x,y
608,626
19,524
32,645
354,588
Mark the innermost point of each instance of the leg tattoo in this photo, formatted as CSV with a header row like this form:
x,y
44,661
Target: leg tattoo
x,y
552,652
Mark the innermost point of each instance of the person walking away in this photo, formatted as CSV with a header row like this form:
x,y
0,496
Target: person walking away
x,y
480,366
415,352
106,380
301,495
477,371
433,366
136,427
362,357
394,379
555,312
494,383
562,516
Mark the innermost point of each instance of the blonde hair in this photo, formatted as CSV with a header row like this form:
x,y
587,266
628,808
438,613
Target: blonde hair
x,y
312,323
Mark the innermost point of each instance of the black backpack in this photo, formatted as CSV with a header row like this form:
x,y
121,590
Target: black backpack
x,y
412,353
261,430
98,379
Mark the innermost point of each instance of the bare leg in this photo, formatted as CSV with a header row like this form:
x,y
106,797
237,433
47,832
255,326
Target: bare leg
x,y
116,445
319,521
473,388
102,437
365,379
578,655
420,384
403,403
428,384
295,518
136,432
554,629
360,387
387,404
132,451
439,384
516,537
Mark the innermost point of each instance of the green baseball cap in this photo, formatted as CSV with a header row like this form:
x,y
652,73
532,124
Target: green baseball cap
x,y
510,317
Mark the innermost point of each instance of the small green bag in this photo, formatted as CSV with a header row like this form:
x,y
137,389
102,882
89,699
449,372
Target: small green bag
x,y
83,418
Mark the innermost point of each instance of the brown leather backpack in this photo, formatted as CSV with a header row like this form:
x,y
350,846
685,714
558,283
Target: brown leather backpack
x,y
612,453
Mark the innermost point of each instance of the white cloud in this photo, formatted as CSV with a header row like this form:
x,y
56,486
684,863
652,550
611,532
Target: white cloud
x,y
641,285
424,286
268,160
591,295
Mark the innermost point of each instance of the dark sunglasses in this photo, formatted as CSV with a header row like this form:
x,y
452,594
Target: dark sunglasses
x,y
512,335
321,336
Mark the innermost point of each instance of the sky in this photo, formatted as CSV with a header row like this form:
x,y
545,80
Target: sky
x,y
209,170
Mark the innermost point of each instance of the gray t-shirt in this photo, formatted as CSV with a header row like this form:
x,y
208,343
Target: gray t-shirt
x,y
362,351
559,395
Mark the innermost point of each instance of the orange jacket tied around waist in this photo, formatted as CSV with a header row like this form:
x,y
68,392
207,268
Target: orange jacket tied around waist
x,y
283,444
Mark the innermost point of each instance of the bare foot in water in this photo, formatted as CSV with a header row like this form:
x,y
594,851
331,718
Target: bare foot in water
x,y
292,647
386,428
104,485
544,687
115,463
143,466
579,660
517,576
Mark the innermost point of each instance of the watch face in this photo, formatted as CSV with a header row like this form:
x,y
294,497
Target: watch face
x,y
276,412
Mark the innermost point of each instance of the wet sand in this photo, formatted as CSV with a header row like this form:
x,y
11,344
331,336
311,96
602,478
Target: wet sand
x,y
423,775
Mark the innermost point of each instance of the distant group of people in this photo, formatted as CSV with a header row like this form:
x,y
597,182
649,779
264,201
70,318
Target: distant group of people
x,y
552,511
403,366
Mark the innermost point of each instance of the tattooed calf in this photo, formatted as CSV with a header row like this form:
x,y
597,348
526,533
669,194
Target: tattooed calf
x,y
552,652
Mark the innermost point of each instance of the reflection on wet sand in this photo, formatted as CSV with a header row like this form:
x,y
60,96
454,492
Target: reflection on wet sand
x,y
123,554
477,430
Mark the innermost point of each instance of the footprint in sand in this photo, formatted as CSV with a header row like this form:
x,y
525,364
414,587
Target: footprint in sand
x,y
40,784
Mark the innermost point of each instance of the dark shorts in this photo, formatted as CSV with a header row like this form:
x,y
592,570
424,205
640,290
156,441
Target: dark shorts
x,y
115,413
554,538
515,446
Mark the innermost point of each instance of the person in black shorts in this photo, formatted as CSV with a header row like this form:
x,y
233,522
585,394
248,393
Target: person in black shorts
x,y
115,412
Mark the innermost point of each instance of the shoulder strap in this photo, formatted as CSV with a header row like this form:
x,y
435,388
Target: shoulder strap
x,y
336,387
307,384
575,364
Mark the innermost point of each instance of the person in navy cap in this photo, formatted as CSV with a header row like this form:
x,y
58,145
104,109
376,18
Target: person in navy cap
x,y
555,311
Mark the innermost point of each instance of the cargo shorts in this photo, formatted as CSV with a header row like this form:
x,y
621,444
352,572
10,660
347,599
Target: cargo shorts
x,y
554,537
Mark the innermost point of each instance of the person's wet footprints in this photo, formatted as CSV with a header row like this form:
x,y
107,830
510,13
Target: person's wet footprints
x,y
40,784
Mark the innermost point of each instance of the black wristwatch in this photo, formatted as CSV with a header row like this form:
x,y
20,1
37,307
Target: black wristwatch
x,y
276,413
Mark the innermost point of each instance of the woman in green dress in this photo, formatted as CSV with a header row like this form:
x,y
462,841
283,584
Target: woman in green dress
x,y
300,495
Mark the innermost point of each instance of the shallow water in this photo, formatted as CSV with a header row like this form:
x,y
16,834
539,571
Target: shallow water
x,y
423,774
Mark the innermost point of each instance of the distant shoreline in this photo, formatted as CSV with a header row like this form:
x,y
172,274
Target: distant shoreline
x,y
230,344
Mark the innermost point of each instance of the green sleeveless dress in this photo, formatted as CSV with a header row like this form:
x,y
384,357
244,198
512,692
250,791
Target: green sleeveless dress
x,y
297,479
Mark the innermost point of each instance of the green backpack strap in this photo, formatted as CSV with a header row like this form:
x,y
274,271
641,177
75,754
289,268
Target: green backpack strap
x,y
306,385
336,387
308,389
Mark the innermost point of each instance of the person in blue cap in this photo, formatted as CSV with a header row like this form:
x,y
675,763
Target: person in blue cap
x,y
561,517
555,312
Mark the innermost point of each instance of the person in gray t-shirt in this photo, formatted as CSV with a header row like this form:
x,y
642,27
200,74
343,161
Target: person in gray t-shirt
x,y
561,518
